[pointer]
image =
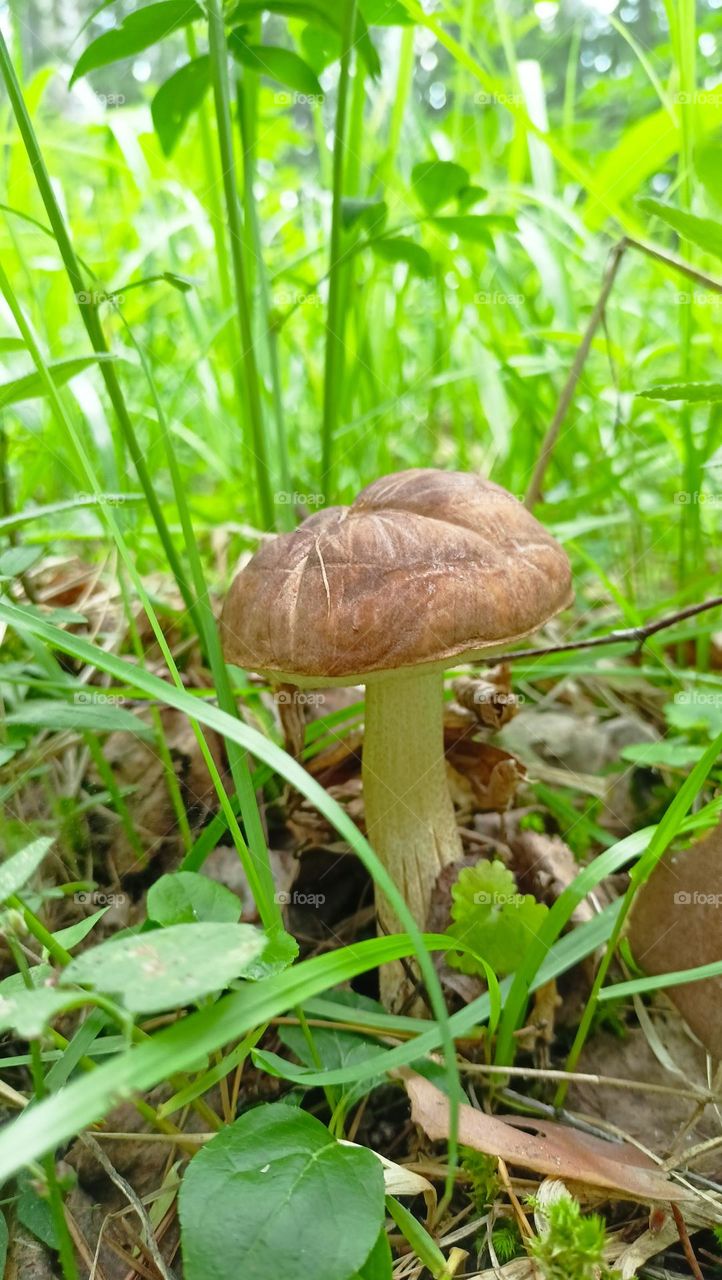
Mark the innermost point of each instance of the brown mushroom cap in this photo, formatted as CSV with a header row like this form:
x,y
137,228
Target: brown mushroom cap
x,y
424,566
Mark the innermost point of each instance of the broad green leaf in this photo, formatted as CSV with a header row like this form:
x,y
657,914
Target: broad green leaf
x,y
404,249
696,710
35,1214
274,1194
281,951
691,392
279,64
93,711
31,385
178,97
332,1050
185,896
14,984
385,13
317,14
371,214
492,917
467,197
467,227
703,232
436,182
321,46
662,755
16,871
138,31
29,1012
168,968
378,1265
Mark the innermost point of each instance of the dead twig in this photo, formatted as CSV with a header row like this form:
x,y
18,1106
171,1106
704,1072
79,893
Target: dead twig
x,y
626,635
534,491
584,1077
686,1242
124,1186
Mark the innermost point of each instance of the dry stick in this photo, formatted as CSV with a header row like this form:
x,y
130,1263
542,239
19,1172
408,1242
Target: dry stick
x,y
686,1242
519,1214
565,400
667,259
584,1077
629,635
125,1188
522,1221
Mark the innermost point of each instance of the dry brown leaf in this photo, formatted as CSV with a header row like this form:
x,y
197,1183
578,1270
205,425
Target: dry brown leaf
x,y
676,923
491,775
545,866
339,762
490,699
550,1149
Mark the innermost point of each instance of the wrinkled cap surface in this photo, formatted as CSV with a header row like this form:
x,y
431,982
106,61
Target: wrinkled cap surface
x,y
423,567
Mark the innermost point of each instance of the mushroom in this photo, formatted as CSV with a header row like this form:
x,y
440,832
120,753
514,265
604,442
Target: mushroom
x,y
425,570
676,923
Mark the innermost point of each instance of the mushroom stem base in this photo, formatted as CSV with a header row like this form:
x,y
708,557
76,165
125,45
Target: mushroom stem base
x,y
409,814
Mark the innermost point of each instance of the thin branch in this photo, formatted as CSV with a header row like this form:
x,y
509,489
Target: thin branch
x,y
629,635
534,491
686,1242
125,1188
535,487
